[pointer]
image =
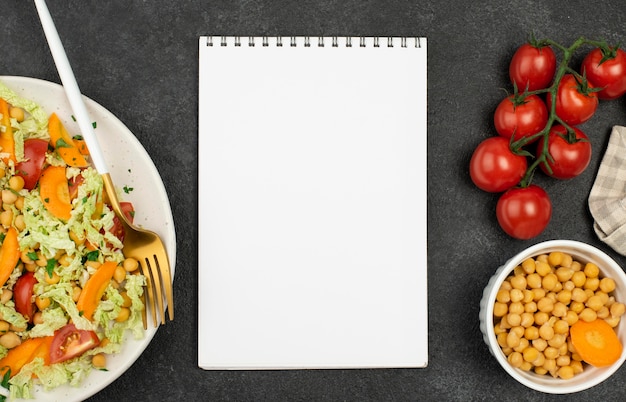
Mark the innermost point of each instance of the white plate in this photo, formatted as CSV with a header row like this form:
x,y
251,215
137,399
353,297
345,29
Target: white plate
x,y
129,165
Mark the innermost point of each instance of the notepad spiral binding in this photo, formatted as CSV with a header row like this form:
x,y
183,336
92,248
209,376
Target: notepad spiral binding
x,y
320,41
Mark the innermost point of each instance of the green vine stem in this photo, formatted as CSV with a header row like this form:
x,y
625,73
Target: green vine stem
x,y
563,68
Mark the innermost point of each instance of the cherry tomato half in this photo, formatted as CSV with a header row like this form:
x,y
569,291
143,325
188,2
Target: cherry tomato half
x,y
70,342
494,167
34,155
524,213
23,295
568,159
573,105
118,229
609,74
532,67
521,118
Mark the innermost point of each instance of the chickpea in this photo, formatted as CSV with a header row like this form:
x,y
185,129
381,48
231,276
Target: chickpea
x,y
592,284
514,319
579,295
6,218
549,281
523,344
607,285
555,258
530,307
543,268
6,296
579,278
10,340
42,302
516,295
500,309
595,303
533,281
516,308
99,361
565,372
130,264
561,327
16,183
545,305
546,331
617,309
52,279
518,282
541,317
4,327
530,354
17,113
588,315
38,318
120,274
19,222
528,265
591,270
531,333
503,296
124,314
9,197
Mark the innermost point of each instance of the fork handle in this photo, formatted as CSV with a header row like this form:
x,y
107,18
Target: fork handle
x,y
71,87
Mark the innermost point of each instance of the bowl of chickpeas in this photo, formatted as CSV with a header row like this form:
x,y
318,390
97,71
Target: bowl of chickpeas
x,y
554,316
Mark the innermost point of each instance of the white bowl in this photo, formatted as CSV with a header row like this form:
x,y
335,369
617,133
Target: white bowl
x,y
584,253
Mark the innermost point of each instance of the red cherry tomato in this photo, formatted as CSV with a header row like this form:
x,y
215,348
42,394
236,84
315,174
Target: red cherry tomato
x,y
522,118
34,155
70,342
524,213
494,167
532,67
23,295
568,159
573,105
118,229
609,74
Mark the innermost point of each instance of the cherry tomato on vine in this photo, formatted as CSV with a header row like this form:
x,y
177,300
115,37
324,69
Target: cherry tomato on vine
x,y
576,102
521,116
494,167
523,213
532,67
569,159
607,70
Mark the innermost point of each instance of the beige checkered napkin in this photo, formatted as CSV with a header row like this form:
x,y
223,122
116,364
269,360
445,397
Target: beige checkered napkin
x,y
607,200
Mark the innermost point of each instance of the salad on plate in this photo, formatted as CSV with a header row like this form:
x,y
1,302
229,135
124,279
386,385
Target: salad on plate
x,y
67,293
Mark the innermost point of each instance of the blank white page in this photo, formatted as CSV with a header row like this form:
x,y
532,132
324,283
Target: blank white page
x,y
312,203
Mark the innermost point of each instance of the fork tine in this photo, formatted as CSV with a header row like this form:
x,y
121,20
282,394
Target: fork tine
x,y
149,288
158,295
163,267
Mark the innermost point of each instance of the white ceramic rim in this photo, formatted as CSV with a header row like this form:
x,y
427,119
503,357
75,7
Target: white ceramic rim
x,y
129,164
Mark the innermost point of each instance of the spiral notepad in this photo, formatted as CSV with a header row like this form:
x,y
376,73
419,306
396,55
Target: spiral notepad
x,y
312,202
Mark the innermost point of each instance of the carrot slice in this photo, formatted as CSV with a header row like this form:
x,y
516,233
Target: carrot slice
x,y
81,144
61,141
596,342
20,355
7,142
94,289
9,254
55,193
43,350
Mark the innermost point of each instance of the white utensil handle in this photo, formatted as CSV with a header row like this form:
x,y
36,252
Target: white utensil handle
x,y
71,86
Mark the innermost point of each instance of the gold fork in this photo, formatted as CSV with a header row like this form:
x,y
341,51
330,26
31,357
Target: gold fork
x,y
143,245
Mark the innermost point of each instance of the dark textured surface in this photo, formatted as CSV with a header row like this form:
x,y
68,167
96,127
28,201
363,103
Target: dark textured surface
x,y
139,60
